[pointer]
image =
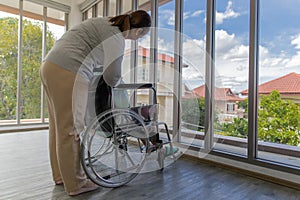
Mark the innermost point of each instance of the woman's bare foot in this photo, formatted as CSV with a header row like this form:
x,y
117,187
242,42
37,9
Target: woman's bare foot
x,y
89,186
59,182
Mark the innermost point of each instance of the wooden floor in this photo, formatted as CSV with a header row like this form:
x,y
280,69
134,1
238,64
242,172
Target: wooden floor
x,y
25,174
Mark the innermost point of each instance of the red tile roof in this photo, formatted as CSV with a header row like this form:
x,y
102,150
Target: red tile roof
x,y
145,52
288,84
221,94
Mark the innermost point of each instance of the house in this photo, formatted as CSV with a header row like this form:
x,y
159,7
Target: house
x,y
165,80
226,102
288,86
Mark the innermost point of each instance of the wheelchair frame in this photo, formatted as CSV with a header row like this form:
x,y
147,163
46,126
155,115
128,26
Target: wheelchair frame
x,y
115,146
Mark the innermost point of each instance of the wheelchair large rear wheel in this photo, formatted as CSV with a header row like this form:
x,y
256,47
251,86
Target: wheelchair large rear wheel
x,y
111,152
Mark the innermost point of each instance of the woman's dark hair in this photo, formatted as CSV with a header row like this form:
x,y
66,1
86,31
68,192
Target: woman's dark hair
x,y
136,19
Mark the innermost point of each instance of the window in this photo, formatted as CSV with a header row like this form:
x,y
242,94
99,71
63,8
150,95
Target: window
x,y
230,107
218,73
22,100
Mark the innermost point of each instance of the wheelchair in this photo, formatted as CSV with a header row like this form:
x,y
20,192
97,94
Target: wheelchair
x,y
117,142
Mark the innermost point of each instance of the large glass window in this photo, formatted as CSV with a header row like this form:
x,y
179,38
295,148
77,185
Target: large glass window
x,y
278,110
279,78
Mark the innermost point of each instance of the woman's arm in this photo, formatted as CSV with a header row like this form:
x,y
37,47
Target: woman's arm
x,y
113,56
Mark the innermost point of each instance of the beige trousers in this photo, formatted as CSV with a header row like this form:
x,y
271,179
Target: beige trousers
x,y
64,148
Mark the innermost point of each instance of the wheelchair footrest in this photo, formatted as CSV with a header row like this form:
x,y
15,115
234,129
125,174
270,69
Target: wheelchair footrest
x,y
169,151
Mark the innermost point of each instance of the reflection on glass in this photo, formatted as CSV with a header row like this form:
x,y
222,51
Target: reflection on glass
x,y
279,75
231,76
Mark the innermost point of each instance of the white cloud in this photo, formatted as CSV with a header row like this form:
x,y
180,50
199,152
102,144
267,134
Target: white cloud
x,y
225,42
229,13
168,16
296,42
197,13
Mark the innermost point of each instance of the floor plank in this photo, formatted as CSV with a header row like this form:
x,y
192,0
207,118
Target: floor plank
x,y
25,174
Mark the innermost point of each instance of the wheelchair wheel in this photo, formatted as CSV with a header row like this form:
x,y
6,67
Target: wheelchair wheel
x,y
111,153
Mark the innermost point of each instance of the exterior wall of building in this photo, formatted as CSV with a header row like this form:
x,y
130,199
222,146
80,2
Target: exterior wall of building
x,y
165,85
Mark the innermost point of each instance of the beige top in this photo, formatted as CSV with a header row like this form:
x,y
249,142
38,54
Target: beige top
x,y
93,43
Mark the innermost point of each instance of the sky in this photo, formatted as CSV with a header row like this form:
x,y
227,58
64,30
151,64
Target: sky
x,y
279,40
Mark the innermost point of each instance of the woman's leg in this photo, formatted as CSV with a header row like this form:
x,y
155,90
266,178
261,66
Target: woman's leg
x,y
59,83
52,138
52,146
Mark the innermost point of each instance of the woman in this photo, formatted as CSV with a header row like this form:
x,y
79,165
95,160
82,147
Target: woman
x,y
69,65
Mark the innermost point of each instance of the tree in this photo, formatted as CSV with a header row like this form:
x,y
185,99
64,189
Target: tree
x,y
31,60
193,113
239,128
278,120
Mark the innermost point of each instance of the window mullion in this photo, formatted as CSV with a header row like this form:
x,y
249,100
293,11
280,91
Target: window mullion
x,y
253,80
210,74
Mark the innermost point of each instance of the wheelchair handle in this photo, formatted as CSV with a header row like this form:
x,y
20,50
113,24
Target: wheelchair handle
x,y
135,86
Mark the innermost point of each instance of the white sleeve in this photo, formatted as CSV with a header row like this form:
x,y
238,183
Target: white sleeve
x,y
113,55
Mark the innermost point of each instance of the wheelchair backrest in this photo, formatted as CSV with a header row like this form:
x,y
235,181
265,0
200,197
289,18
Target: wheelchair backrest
x,y
147,112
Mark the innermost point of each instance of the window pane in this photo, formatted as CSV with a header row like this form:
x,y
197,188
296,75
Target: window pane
x,y
193,77
100,9
31,60
231,75
8,68
90,13
112,8
279,78
55,25
126,6
165,61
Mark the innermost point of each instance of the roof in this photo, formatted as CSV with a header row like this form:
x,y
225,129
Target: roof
x,y
145,53
221,94
287,84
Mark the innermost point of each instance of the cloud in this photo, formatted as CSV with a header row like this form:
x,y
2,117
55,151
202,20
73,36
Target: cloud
x,y
225,42
228,14
197,13
296,41
167,16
